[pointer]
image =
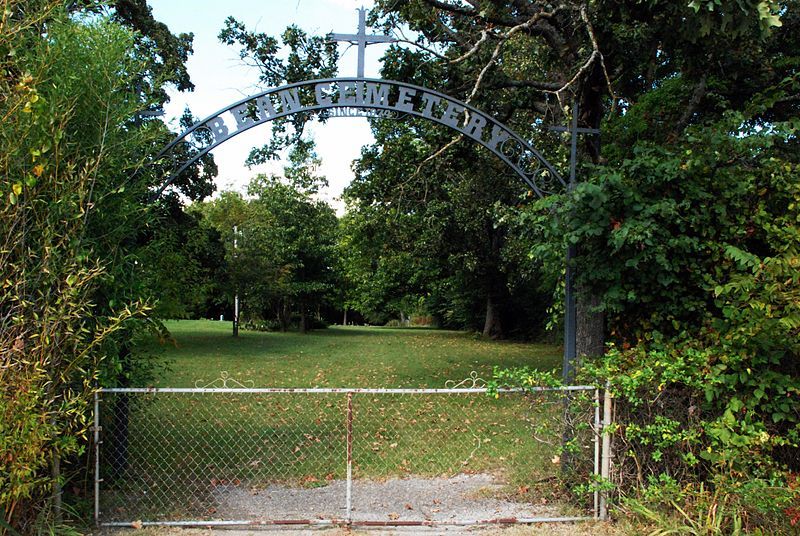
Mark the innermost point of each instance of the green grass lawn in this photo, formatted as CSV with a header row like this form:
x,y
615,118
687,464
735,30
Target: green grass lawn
x,y
184,446
339,356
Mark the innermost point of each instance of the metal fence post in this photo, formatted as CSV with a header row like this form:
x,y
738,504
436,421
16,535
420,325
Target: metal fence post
x,y
97,458
597,433
349,506
605,470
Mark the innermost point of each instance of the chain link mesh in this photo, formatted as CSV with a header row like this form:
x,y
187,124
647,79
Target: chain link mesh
x,y
260,456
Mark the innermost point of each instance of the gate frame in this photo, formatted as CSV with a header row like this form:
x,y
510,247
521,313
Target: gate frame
x,y
601,434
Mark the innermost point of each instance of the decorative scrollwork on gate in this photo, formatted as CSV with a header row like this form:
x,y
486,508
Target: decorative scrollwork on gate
x,y
225,382
472,382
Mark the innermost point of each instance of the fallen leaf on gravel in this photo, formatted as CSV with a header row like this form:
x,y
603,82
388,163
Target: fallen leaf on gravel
x,y
409,507
394,516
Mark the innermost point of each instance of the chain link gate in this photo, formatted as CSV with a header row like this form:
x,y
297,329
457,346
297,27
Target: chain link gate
x,y
217,456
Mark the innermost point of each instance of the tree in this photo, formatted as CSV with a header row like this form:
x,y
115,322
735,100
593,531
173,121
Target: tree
x,y
678,227
432,231
301,237
284,262
72,223
525,61
307,58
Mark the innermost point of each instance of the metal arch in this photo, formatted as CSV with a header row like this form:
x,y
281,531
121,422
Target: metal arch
x,y
518,158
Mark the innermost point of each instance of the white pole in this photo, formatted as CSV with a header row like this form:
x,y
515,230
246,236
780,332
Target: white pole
x,y
96,459
596,450
236,297
349,492
605,469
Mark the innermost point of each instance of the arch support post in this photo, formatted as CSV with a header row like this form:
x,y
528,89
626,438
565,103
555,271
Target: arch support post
x,y
570,305
570,320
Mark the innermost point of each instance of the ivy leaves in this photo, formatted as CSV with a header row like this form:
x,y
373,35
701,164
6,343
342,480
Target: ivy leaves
x,y
295,57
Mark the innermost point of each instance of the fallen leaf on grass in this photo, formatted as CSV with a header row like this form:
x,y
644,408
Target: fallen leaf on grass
x,y
136,524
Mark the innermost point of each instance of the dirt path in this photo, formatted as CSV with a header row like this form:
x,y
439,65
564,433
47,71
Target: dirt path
x,y
462,497
551,529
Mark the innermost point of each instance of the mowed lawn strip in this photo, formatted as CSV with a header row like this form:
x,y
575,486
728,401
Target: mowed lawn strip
x,y
339,356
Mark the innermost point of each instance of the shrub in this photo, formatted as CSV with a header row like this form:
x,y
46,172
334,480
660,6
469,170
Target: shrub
x,y
64,149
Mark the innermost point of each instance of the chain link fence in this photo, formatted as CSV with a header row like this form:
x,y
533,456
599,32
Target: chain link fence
x,y
231,456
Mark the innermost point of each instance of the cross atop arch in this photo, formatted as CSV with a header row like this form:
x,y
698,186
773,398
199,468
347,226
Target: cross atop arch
x,y
361,39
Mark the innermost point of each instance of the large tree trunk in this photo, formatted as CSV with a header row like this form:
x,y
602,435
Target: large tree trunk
x,y
305,322
283,315
492,327
590,326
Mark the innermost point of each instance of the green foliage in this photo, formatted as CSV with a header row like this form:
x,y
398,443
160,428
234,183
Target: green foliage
x,y
295,57
673,219
72,289
525,377
190,251
686,411
726,508
279,244
68,99
426,237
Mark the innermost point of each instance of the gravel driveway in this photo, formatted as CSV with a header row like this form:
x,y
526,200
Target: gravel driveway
x,y
463,497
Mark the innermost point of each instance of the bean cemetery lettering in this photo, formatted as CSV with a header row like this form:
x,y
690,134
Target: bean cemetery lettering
x,y
363,97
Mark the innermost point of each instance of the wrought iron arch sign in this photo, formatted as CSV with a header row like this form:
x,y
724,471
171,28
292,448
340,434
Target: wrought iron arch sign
x,y
370,97
362,97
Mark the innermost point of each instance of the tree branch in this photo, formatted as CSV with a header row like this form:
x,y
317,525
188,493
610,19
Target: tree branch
x,y
483,72
471,13
596,47
471,52
534,84
438,153
697,96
